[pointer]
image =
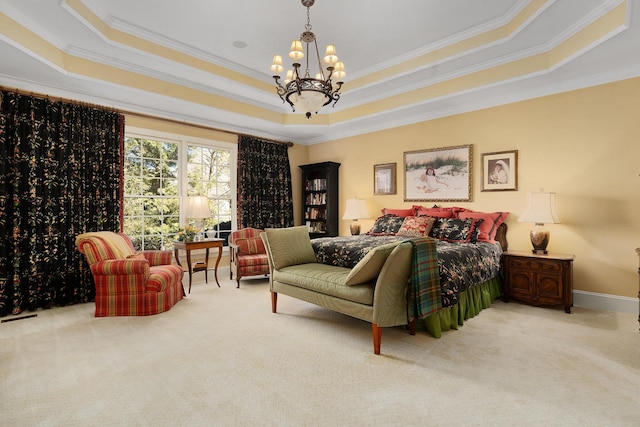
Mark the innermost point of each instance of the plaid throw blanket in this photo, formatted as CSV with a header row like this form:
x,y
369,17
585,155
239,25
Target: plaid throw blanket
x,y
425,295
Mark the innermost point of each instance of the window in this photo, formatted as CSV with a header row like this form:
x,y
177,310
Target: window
x,y
209,174
160,171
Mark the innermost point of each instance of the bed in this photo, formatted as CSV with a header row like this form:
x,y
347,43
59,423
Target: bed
x,y
468,251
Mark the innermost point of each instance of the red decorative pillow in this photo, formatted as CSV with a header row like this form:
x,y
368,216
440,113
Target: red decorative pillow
x,y
398,212
489,226
250,246
435,212
416,226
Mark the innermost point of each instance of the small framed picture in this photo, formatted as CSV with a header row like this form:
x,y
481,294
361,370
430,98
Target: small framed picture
x,y
384,178
500,171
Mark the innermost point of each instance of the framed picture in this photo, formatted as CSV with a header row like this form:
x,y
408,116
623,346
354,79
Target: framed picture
x,y
384,178
439,174
500,171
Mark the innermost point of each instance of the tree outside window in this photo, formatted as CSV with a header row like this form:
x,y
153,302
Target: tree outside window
x,y
154,183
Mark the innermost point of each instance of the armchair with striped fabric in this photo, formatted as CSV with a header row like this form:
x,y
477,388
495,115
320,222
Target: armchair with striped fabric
x,y
130,283
248,256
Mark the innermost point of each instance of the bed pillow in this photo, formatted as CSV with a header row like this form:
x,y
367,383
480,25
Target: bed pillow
x,y
456,230
399,212
368,268
489,227
290,246
416,226
386,225
435,212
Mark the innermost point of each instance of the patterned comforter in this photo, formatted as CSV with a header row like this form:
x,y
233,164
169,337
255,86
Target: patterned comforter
x,y
461,265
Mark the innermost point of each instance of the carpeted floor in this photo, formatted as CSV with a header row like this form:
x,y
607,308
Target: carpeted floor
x,y
220,357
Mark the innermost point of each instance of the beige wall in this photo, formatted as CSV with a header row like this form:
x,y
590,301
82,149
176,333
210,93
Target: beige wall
x,y
583,145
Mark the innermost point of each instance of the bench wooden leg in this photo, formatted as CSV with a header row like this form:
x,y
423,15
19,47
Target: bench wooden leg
x,y
377,337
274,301
412,327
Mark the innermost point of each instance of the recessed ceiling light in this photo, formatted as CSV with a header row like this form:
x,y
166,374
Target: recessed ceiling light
x,y
239,44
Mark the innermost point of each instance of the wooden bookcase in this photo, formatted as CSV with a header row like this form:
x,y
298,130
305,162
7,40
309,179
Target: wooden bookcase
x,y
320,198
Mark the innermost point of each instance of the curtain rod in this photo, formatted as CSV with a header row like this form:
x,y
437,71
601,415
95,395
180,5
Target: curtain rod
x,y
141,115
205,127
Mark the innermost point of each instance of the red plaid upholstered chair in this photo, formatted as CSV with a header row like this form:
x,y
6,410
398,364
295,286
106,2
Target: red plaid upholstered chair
x,y
248,256
129,283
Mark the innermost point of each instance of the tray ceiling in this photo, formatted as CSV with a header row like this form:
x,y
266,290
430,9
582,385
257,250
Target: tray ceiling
x,y
207,62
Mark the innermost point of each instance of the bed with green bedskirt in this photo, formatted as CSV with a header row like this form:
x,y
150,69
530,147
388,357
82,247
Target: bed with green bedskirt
x,y
469,275
470,303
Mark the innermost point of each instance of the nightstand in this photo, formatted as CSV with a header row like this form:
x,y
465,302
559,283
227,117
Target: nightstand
x,y
538,279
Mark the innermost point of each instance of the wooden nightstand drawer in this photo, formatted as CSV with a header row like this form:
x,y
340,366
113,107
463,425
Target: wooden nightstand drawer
x,y
531,264
539,279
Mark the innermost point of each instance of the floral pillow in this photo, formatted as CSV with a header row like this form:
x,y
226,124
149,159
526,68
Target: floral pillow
x,y
416,226
456,230
386,225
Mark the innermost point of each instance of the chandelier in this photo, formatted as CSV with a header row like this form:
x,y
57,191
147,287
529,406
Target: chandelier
x,y
302,91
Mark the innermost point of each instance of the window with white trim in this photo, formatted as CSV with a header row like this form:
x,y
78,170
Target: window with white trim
x,y
160,171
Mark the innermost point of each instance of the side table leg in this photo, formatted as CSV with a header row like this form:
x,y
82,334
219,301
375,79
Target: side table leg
x,y
215,270
177,256
189,267
206,265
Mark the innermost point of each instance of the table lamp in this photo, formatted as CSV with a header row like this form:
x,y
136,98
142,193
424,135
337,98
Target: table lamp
x,y
356,209
198,209
540,208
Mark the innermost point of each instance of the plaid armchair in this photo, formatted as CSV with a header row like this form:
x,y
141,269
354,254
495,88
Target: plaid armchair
x,y
129,283
248,256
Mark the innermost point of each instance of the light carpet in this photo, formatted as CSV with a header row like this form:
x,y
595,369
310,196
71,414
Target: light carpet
x,y
220,357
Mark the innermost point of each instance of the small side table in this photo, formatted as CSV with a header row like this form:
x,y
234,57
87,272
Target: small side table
x,y
200,244
539,279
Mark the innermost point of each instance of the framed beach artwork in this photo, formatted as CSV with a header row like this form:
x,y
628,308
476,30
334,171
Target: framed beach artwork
x,y
384,178
439,174
500,171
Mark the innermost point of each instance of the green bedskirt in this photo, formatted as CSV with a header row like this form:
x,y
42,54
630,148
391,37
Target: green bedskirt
x,y
470,303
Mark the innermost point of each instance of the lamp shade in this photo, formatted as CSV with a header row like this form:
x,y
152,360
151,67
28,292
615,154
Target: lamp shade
x,y
198,207
338,71
356,209
540,208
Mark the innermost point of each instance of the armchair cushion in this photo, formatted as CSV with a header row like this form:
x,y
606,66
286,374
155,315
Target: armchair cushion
x,y
250,246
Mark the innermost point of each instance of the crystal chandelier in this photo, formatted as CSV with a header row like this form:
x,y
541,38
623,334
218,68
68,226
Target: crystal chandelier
x,y
302,91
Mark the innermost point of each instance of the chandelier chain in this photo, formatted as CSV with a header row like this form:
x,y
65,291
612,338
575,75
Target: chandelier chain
x,y
308,26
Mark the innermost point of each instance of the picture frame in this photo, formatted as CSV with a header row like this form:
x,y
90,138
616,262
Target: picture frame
x,y
439,174
500,171
384,179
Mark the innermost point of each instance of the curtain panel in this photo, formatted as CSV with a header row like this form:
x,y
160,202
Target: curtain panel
x,y
264,184
60,175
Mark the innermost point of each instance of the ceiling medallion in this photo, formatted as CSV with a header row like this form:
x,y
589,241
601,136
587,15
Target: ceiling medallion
x,y
301,91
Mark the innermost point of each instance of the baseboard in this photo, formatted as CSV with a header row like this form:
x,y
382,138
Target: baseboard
x,y
605,302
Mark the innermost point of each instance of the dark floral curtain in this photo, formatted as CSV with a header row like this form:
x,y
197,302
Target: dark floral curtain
x,y
264,184
60,175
